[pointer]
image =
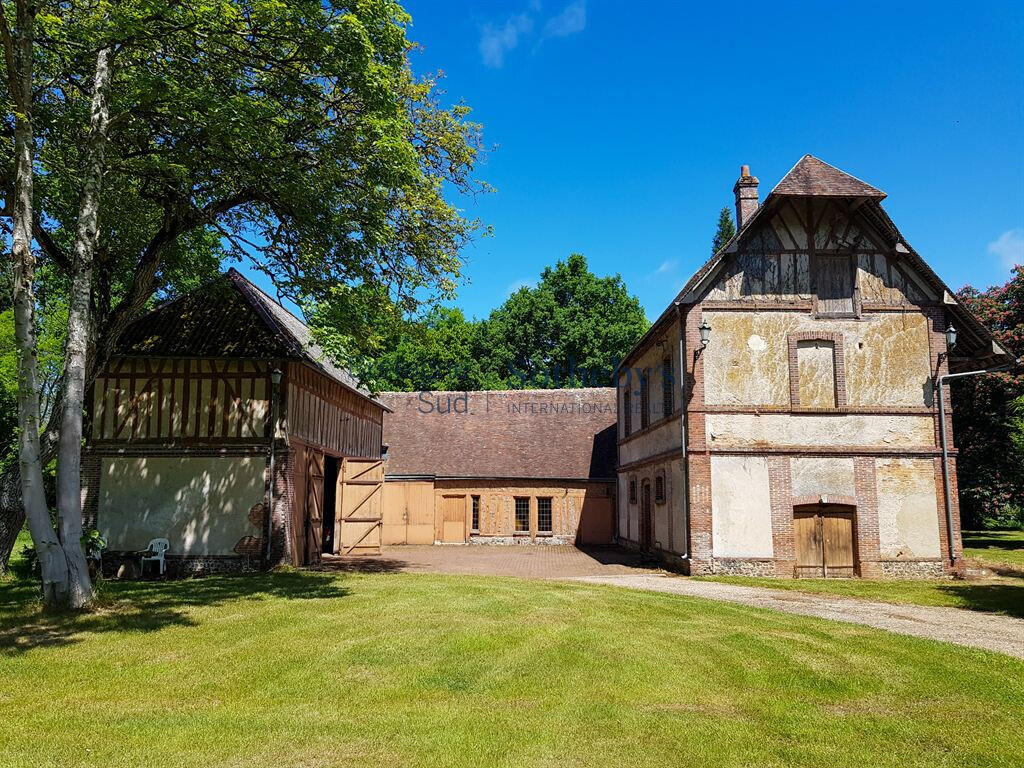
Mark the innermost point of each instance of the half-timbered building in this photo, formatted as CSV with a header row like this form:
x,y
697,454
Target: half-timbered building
x,y
780,417
219,425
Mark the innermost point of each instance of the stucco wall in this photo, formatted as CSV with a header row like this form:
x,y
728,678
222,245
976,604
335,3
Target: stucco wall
x,y
200,504
908,524
886,357
660,439
741,514
729,430
822,477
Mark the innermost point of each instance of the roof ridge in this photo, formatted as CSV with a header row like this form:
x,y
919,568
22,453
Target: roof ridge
x,y
246,287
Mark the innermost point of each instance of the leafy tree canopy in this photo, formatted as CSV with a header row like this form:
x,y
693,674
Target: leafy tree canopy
x,y
988,414
570,330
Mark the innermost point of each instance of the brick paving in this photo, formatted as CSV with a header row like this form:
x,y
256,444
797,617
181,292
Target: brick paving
x,y
525,562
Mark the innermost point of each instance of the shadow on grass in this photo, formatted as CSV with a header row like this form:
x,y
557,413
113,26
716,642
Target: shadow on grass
x,y
990,598
361,564
144,606
992,541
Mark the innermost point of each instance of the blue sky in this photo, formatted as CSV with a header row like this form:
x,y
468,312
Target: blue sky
x,y
618,129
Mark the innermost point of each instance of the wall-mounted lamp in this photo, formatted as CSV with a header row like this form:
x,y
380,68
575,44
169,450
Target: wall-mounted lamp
x,y
275,376
705,333
950,337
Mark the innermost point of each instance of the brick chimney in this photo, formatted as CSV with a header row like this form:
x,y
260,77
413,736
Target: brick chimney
x,y
746,196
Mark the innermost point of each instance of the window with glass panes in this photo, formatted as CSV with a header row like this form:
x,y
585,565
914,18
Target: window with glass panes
x,y
522,514
544,515
476,513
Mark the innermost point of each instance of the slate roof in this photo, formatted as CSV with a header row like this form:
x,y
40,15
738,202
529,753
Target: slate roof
x,y
229,317
566,434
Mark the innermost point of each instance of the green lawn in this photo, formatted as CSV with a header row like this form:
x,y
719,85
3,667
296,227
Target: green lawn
x,y
989,595
300,669
996,547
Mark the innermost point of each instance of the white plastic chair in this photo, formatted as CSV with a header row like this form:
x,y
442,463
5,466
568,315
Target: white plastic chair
x,y
157,547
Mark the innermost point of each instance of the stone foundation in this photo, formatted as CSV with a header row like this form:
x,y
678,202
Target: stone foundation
x,y
179,566
744,567
911,569
504,541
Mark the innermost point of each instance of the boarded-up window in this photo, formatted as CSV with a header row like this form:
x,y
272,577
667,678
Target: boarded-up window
x,y
544,514
522,514
476,513
817,374
835,285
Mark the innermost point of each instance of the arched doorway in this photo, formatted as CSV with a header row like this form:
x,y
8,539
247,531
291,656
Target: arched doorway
x,y
824,539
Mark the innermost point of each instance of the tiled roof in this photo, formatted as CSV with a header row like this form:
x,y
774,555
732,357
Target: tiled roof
x,y
812,177
548,433
229,317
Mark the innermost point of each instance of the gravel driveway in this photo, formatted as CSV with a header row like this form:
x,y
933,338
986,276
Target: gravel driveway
x,y
992,632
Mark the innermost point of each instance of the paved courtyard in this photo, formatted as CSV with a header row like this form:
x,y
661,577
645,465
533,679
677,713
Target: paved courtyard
x,y
615,567
524,562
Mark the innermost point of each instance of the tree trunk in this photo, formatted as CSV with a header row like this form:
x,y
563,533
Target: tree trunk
x,y
19,51
69,456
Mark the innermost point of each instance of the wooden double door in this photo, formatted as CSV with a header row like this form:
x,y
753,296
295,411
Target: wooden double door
x,y
825,541
352,522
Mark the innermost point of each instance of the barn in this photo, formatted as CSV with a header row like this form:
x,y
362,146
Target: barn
x,y
781,417
504,467
219,425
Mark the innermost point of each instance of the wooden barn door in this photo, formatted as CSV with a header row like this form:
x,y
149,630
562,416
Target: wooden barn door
x,y
408,512
453,519
307,505
824,539
314,517
359,510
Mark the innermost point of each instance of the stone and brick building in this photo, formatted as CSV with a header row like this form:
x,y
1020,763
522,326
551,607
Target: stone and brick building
x,y
510,467
215,408
802,438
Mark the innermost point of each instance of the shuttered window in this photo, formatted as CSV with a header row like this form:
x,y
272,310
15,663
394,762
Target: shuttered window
x,y
645,400
632,490
522,514
544,514
667,387
659,488
627,414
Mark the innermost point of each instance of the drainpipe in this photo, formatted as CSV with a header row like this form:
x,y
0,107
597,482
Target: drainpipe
x,y
939,384
684,457
275,383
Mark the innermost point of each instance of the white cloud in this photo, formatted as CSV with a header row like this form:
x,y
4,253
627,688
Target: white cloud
x,y
572,20
1009,247
496,41
665,267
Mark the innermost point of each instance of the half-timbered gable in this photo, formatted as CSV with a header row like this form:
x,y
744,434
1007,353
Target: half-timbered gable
x,y
216,407
811,344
